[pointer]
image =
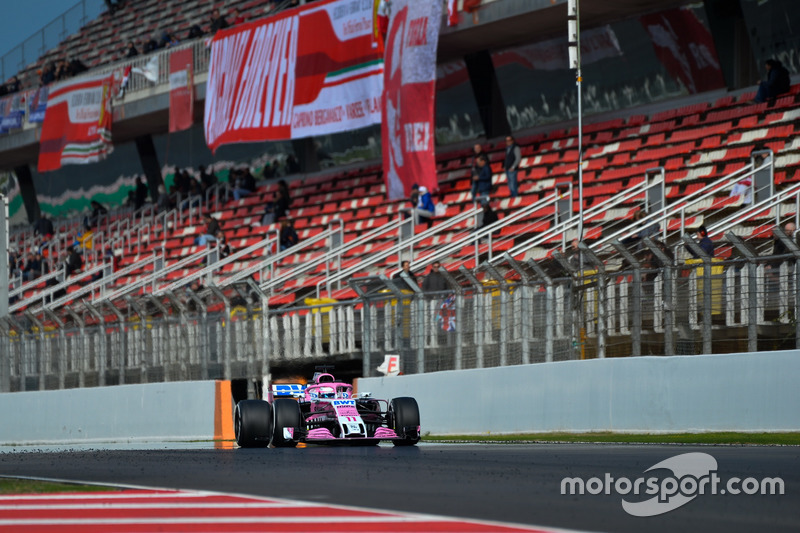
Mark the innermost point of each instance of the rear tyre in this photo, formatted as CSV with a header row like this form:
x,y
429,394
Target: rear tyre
x,y
404,420
285,415
252,423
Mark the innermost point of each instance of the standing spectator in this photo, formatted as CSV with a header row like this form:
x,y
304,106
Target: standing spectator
x,y
44,227
405,266
477,151
434,281
218,22
777,81
131,50
288,235
223,247
704,242
140,193
292,166
98,210
511,164
489,214
283,201
164,202
481,177
778,248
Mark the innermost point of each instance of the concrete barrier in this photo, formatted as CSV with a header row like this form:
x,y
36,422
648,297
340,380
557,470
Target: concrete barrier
x,y
731,392
193,410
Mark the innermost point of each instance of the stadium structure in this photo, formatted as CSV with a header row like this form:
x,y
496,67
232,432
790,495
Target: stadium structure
x,y
596,257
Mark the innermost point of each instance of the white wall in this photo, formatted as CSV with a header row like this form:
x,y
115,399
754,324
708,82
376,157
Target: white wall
x,y
157,411
732,392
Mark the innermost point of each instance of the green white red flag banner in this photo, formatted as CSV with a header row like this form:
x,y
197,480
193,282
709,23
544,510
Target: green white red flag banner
x,y
312,70
181,90
409,91
77,123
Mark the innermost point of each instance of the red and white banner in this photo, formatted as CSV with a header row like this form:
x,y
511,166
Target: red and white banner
x,y
452,12
181,90
77,123
410,87
312,70
689,57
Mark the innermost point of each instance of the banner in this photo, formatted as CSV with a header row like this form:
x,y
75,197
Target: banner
x,y
689,57
38,104
12,111
181,90
312,70
410,83
77,123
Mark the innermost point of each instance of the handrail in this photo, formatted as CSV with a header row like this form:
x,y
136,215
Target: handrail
x,y
63,285
34,282
383,254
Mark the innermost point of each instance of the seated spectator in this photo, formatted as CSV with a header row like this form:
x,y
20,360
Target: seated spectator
x,y
150,45
292,166
13,85
489,215
167,40
33,267
424,208
244,184
207,178
777,81
131,51
73,261
288,236
210,233
778,248
62,70
194,196
217,21
164,201
76,66
223,247
269,214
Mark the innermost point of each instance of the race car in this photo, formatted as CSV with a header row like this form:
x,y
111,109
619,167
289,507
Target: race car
x,y
324,412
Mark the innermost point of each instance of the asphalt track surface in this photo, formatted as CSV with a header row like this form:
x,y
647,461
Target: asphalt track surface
x,y
517,483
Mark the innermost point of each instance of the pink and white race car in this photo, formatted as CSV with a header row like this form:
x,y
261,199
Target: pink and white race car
x,y
324,412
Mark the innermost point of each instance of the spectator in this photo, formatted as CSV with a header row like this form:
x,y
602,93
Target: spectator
x,y
210,234
167,40
73,261
33,267
13,85
44,227
574,255
244,185
195,32
48,74
218,22
481,178
704,242
778,248
424,207
150,45
237,17
75,67
140,193
223,247
477,151
292,166
777,81
164,202
194,196
435,281
288,235
207,178
131,50
489,215
283,201
269,214
511,164
98,210
405,266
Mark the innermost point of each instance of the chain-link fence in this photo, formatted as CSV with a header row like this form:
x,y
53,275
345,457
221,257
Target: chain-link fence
x,y
484,321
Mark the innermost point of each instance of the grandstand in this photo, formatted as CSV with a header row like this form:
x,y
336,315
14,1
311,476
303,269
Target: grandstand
x,y
516,295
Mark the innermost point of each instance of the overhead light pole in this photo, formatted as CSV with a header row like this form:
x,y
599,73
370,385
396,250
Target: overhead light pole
x,y
574,38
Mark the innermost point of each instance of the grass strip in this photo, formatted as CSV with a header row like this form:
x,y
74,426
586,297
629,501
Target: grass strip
x,y
32,486
786,439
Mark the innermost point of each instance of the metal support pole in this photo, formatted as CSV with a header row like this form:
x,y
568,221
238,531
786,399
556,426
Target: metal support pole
x,y
602,296
790,244
549,310
707,300
504,303
752,291
81,323
527,316
636,314
668,303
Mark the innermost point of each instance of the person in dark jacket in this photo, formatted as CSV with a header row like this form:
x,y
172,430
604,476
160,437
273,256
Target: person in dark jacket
x,y
704,242
481,178
288,235
435,281
511,164
777,81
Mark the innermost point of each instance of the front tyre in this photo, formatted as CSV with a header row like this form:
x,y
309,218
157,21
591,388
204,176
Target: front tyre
x,y
404,420
252,423
286,422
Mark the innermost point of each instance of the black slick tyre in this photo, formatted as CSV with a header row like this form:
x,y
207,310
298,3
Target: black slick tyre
x,y
285,414
252,423
404,419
